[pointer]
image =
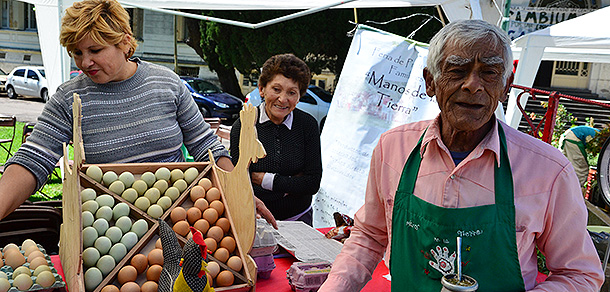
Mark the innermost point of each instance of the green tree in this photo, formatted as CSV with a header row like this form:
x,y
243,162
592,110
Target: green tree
x,y
321,39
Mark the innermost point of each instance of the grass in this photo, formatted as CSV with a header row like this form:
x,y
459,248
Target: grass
x,y
52,190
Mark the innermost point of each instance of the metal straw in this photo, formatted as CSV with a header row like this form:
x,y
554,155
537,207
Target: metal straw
x,y
459,258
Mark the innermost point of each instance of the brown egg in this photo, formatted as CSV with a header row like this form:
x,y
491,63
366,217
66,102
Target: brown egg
x,y
9,247
130,287
211,244
158,244
228,242
197,192
127,274
202,225
14,259
150,286
30,249
140,262
223,223
218,206
37,262
221,254
155,257
178,214
110,288
216,233
224,279
206,183
234,263
153,273
210,279
181,227
213,268
211,215
212,194
193,214
35,254
202,204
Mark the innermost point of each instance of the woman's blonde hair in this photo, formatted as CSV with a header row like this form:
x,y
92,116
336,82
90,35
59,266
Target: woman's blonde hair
x,y
105,21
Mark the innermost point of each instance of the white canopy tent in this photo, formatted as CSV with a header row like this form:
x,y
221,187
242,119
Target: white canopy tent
x,y
581,39
57,62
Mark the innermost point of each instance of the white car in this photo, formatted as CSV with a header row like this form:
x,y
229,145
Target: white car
x,y
27,80
315,102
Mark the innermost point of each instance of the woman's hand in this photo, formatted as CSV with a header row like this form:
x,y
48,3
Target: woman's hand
x,y
257,178
262,211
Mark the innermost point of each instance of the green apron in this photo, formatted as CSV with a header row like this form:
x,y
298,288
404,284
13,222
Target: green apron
x,y
424,235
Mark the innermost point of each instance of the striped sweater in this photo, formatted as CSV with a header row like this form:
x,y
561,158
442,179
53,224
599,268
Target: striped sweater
x,y
145,118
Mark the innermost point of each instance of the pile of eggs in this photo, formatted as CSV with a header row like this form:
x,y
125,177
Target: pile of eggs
x,y
207,216
152,193
140,264
26,268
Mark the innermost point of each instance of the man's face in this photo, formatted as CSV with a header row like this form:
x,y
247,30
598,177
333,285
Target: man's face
x,y
469,86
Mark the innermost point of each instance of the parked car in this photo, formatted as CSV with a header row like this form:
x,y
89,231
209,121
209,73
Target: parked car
x,y
212,101
27,80
315,102
3,76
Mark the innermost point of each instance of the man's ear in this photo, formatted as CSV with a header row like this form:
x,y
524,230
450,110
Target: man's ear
x,y
430,86
509,82
260,91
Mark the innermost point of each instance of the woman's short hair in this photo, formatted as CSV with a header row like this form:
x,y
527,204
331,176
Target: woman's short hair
x,y
105,21
288,65
464,33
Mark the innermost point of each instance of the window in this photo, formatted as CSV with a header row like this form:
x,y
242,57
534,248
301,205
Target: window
x,y
27,57
136,19
5,14
32,75
308,99
322,83
188,71
30,16
322,94
2,55
19,73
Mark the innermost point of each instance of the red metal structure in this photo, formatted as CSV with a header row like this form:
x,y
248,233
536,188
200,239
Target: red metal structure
x,y
548,121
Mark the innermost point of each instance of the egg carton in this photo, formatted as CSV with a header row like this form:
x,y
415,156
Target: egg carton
x,y
58,285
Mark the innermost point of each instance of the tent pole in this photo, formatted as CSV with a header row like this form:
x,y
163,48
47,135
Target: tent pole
x,y
176,44
440,14
355,15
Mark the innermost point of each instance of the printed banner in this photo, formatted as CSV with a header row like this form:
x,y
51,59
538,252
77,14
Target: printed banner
x,y
524,20
381,86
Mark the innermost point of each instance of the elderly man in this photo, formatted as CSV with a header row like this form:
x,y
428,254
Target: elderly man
x,y
465,174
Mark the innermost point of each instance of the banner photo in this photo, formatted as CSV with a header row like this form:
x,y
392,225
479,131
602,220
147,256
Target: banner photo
x,y
381,86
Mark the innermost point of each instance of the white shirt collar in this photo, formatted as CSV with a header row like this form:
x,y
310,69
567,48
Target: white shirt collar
x,y
264,117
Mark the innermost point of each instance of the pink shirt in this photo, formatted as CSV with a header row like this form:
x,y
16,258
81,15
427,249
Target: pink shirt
x,y
549,207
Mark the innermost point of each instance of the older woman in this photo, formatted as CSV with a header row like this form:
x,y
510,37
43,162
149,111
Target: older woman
x,y
133,111
286,179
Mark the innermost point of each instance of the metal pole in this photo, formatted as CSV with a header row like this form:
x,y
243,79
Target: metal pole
x,y
176,44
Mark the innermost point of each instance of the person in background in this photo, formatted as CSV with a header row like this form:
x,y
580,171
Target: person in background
x,y
573,142
466,174
287,178
133,111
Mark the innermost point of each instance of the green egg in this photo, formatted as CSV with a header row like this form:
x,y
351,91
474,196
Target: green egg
x,y
140,227
21,270
149,178
23,282
140,186
127,178
161,185
101,225
129,239
90,234
90,257
115,234
88,218
191,174
142,203
90,206
173,193
152,195
106,263
109,177
94,172
118,252
176,174
181,185
43,268
87,194
163,173
155,211
93,278
3,275
104,212
103,244
117,187
105,200
120,210
124,223
165,202
45,279
130,195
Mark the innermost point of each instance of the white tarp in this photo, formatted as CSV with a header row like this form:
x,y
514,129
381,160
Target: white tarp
x,y
56,61
582,39
381,86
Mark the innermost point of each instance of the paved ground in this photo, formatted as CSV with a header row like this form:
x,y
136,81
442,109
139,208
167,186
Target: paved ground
x,y
26,109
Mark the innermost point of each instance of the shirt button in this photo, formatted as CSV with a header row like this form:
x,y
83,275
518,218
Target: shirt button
x,y
452,176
